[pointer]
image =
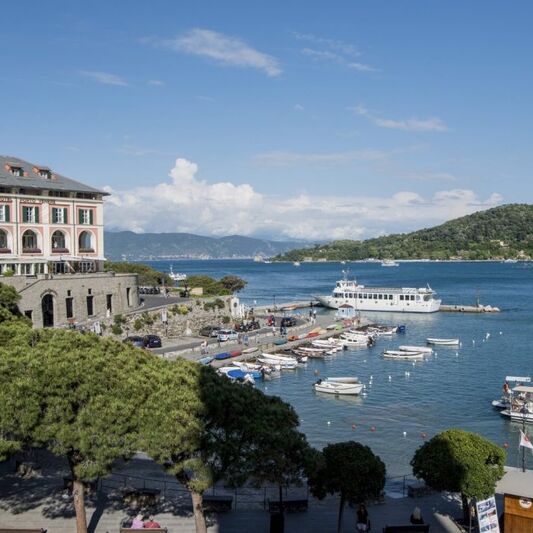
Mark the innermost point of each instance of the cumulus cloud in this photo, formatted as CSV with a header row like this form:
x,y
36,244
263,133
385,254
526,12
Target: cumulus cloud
x,y
410,124
105,78
184,202
223,49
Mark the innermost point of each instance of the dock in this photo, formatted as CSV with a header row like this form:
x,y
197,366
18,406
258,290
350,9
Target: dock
x,y
469,309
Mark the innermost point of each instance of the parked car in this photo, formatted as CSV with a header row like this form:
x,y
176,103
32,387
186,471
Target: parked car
x,y
135,341
152,341
227,335
247,326
209,331
288,322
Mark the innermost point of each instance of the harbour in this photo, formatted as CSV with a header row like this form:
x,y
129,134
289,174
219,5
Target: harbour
x,y
452,388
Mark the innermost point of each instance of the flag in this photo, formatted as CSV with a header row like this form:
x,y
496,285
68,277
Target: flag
x,y
524,441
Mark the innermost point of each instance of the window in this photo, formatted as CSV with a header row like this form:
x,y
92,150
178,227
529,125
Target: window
x,y
29,242
28,313
109,302
380,296
30,214
128,295
85,242
59,215
3,242
59,267
17,171
44,173
4,213
85,216
90,306
87,266
69,307
58,242
401,297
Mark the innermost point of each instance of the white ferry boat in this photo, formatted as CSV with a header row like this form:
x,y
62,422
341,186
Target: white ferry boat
x,y
361,298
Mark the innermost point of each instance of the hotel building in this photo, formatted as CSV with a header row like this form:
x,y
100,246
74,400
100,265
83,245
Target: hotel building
x,y
52,247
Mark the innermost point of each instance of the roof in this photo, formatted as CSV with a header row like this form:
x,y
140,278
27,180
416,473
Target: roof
x,y
523,388
32,180
516,482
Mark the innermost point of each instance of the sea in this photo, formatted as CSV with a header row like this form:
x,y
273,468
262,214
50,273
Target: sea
x,y
405,403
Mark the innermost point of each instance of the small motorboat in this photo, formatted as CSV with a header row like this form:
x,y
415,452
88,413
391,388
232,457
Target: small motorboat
x,y
280,342
443,342
236,353
222,356
176,276
402,356
285,363
423,349
205,360
252,349
339,386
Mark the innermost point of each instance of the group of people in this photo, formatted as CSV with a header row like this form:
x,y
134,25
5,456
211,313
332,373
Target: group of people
x,y
139,523
363,521
312,316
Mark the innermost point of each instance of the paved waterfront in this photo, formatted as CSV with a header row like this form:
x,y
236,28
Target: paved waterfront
x,y
42,502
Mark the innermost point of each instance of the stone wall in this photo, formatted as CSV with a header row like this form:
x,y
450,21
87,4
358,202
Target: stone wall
x,y
47,299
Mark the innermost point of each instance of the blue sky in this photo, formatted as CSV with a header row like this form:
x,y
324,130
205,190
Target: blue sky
x,y
295,119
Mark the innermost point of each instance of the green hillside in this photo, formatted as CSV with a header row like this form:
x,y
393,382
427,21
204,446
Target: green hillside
x,y
498,233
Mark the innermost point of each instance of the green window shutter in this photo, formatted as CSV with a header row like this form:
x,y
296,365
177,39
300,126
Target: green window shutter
x,y
24,214
80,216
36,215
91,217
6,212
65,219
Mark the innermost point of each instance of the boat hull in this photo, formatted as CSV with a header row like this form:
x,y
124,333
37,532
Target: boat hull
x,y
338,389
381,305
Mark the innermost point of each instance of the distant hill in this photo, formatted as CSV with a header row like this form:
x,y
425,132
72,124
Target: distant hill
x,y
126,245
498,233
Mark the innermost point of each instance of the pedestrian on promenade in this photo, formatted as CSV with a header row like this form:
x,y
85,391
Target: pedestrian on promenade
x,y
363,522
416,516
151,523
137,522
246,339
273,329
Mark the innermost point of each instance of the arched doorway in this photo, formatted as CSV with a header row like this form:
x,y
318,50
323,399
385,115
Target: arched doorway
x,y
47,304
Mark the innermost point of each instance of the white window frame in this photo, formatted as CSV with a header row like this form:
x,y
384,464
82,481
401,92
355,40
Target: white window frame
x,y
3,213
31,218
60,218
85,217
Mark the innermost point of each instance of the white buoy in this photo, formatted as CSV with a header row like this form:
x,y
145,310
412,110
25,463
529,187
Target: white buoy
x,y
456,354
460,344
371,378
329,423
501,332
405,433
473,341
487,336
413,363
390,378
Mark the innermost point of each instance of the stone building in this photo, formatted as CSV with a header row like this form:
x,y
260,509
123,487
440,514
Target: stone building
x,y
52,247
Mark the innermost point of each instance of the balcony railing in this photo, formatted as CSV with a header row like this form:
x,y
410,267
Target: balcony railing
x,y
31,250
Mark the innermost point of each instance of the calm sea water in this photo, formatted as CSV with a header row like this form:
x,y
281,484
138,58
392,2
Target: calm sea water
x,y
453,388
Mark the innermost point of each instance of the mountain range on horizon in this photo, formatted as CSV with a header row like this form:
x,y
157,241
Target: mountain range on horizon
x,y
127,245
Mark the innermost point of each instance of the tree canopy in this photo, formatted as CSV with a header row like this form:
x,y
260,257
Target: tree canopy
x,y
9,299
460,461
213,287
148,276
348,468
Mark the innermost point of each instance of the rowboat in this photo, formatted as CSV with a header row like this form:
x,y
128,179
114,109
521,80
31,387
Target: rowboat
x,y
339,386
205,360
223,355
443,342
286,363
252,349
402,356
423,349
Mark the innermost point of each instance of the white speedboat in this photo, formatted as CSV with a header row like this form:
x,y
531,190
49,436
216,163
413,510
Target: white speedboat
x,y
389,263
520,408
362,298
285,363
422,349
296,263
402,356
339,386
176,276
443,342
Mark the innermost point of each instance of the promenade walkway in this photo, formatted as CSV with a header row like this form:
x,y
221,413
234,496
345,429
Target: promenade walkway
x,y
42,502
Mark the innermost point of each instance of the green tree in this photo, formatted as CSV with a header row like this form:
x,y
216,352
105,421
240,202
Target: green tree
x,y
76,395
232,283
348,468
460,461
204,428
9,299
148,276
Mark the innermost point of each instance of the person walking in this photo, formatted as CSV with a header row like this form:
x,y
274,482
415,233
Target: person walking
x,y
363,522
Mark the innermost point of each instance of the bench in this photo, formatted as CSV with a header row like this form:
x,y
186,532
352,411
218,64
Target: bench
x,y
416,490
217,504
17,530
138,498
155,530
411,528
290,505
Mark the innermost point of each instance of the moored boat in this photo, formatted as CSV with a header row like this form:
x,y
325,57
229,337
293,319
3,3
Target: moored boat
x,y
422,349
442,342
341,386
402,355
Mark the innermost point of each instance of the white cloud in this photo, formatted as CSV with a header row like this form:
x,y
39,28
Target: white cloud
x,y
223,49
333,51
156,83
289,159
431,176
105,78
410,124
186,203
299,107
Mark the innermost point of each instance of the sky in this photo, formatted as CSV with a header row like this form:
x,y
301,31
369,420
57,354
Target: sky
x,y
282,119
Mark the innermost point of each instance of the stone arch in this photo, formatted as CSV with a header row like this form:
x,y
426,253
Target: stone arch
x,y
30,241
